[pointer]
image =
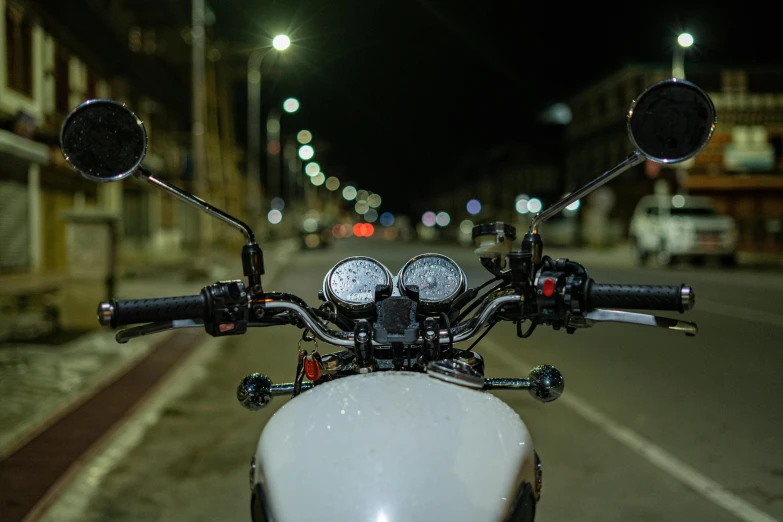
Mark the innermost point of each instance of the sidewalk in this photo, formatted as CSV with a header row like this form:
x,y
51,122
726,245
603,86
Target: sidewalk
x,y
41,382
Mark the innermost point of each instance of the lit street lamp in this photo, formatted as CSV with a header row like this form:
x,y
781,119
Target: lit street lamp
x,y
684,41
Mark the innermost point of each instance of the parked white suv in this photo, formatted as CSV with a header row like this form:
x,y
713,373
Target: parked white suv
x,y
670,227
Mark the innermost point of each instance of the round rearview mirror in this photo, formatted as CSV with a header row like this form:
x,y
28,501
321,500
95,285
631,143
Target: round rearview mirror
x,y
103,140
671,121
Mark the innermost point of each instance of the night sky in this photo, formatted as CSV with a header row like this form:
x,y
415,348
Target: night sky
x,y
400,89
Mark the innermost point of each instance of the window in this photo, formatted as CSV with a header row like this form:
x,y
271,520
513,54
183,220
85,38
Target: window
x,y
19,48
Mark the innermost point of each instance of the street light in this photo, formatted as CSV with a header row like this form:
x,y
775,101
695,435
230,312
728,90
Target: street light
x,y
280,43
291,105
684,41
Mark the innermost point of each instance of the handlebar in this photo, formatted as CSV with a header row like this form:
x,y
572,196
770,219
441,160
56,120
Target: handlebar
x,y
131,311
561,295
639,297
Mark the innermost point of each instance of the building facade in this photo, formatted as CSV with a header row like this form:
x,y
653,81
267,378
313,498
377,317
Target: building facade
x,y
741,168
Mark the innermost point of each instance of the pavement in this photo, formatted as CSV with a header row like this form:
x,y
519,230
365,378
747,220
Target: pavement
x,y
653,425
41,381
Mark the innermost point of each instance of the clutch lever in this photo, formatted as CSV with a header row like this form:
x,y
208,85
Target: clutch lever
x,y
123,336
618,316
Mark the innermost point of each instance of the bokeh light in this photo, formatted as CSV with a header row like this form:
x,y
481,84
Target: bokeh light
x,y
534,205
678,201
573,206
304,137
277,204
318,179
306,152
291,105
332,183
312,168
363,230
310,225
361,207
466,227
474,207
374,200
429,219
521,206
387,219
371,215
349,192
443,219
312,240
685,40
338,231
274,216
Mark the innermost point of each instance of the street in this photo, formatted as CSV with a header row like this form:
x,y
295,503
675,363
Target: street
x,y
653,425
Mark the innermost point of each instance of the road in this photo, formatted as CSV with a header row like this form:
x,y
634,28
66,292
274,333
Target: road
x,y
653,425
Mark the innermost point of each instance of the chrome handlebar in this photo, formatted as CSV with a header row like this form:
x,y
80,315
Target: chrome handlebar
x,y
459,333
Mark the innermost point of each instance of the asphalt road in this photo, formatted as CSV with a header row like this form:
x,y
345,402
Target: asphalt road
x,y
653,425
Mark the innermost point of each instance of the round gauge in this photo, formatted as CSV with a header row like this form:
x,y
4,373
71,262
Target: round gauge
x,y
351,283
440,280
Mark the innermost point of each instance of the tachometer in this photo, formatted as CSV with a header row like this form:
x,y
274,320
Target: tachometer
x,y
440,280
351,283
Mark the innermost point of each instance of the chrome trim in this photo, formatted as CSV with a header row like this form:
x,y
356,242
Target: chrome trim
x,y
109,102
105,313
688,298
635,158
462,286
346,306
197,202
618,316
463,332
455,372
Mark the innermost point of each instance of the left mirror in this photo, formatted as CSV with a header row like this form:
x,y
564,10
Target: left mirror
x,y
103,140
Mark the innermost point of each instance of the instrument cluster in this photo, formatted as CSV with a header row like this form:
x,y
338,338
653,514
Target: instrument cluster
x,y
350,284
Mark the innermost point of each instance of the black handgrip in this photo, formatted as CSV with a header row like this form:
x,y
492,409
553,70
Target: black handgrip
x,y
639,297
156,309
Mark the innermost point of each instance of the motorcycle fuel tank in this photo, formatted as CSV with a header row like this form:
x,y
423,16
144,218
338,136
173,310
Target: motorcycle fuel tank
x,y
393,446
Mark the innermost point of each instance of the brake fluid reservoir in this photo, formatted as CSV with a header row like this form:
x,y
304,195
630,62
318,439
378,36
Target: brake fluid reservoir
x,y
493,240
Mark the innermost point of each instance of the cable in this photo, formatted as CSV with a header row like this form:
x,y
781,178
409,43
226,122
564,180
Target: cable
x,y
480,337
445,318
475,303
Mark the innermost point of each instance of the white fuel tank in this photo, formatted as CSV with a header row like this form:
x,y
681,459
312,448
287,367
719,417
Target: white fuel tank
x,y
393,446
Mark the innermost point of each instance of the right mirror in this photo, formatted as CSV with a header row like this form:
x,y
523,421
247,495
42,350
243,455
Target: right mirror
x,y
671,121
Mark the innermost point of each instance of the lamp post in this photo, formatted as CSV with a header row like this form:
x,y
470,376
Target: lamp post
x,y
684,41
279,43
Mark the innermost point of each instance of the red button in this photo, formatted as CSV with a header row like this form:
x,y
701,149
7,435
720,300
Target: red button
x,y
549,287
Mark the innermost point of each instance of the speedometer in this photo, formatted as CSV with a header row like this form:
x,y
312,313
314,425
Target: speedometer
x,y
440,280
351,283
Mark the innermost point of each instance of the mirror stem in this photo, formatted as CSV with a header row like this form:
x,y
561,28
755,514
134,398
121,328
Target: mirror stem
x,y
635,158
199,203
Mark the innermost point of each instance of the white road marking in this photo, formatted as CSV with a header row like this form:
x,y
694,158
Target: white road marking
x,y
654,454
739,312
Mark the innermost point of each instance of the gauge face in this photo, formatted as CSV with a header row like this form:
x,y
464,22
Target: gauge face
x,y
351,283
439,278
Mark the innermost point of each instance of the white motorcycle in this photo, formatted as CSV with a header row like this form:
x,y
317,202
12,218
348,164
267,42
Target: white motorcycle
x,y
398,424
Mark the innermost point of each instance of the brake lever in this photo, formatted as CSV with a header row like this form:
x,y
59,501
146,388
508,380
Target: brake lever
x,y
619,316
